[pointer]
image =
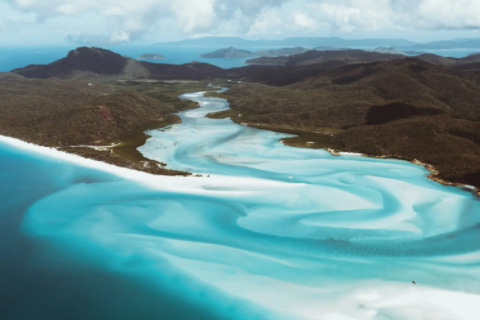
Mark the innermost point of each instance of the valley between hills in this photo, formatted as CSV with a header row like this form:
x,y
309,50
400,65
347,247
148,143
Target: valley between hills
x,y
424,109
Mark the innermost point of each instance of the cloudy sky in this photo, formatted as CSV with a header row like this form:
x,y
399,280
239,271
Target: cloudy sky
x,y
102,22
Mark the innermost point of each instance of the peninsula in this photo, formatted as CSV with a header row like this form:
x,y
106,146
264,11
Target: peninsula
x,y
422,109
229,53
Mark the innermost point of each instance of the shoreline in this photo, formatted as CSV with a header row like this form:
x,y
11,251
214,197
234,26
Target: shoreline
x,y
433,171
213,185
107,121
162,172
404,292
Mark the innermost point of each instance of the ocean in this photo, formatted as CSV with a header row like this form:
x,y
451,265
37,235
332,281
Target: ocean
x,y
268,232
19,57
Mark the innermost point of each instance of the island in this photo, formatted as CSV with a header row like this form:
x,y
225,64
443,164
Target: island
x,y
281,52
388,50
98,104
151,56
229,53
233,53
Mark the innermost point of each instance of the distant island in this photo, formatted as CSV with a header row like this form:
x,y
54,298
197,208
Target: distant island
x,y
330,58
313,42
281,52
468,43
310,42
230,53
261,57
151,56
233,53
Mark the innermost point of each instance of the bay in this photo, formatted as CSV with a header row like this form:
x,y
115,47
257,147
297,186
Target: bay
x,y
267,232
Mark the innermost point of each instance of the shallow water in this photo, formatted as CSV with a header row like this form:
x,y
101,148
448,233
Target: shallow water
x,y
268,232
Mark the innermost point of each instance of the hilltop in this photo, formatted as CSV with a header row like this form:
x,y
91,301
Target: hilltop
x,y
470,63
281,52
81,60
105,65
304,57
280,71
228,53
73,114
233,53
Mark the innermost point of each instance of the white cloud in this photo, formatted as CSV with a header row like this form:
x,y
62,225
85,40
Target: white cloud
x,y
87,39
304,21
127,20
268,22
450,14
194,16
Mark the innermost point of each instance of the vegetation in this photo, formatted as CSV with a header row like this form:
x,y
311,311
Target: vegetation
x,y
426,108
230,53
70,115
90,60
168,92
103,65
407,109
314,57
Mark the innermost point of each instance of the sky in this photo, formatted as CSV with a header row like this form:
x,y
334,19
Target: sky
x,y
110,22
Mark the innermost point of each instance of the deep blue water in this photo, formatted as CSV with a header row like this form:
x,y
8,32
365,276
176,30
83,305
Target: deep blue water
x,y
58,272
268,232
18,57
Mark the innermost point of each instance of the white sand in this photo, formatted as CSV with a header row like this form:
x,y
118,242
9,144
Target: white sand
x,y
213,184
360,300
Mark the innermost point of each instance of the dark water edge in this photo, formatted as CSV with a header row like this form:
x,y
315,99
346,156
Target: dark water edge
x,y
45,280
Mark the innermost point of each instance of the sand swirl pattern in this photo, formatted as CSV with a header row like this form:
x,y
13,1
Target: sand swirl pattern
x,y
267,232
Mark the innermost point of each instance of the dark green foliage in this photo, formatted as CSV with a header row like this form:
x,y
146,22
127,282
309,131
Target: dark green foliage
x,y
84,59
407,108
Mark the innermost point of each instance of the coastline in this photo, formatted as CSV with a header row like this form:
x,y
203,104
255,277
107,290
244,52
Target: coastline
x,y
122,152
393,293
101,116
433,171
152,168
404,294
334,150
213,185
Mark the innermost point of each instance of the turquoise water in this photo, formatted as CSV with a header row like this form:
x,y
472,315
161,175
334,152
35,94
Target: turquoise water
x,y
268,232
